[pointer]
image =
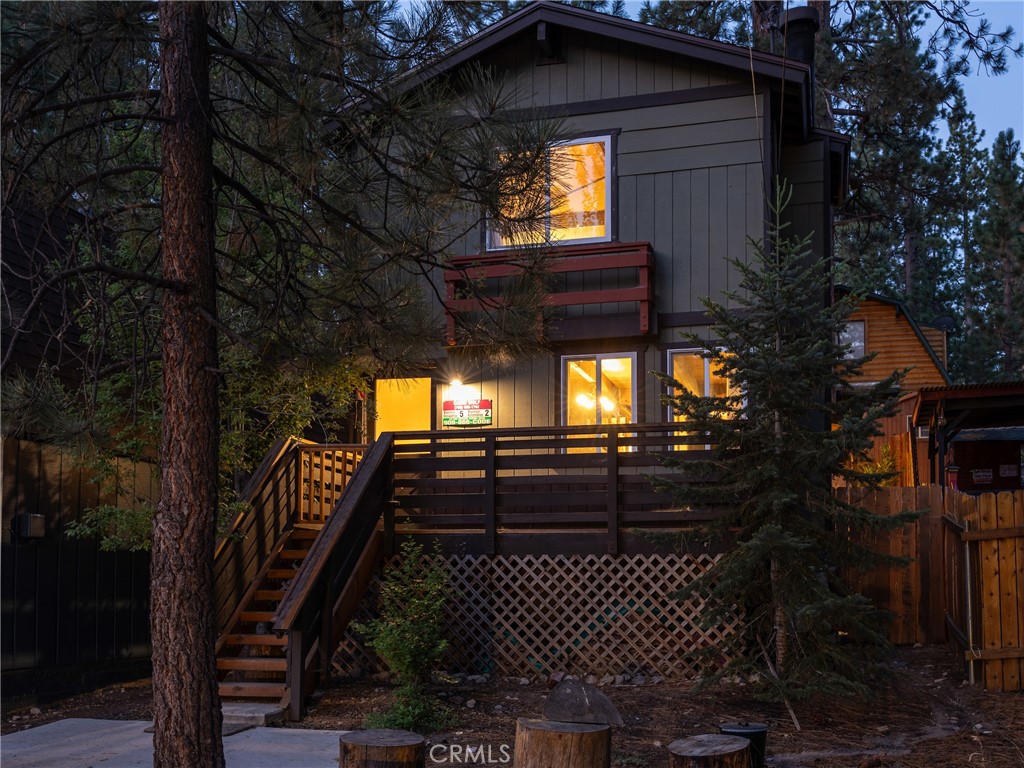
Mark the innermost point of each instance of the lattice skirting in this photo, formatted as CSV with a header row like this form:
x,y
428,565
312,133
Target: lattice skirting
x,y
589,614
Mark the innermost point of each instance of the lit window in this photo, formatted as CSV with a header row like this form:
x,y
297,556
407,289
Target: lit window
x,y
599,389
853,336
577,194
699,376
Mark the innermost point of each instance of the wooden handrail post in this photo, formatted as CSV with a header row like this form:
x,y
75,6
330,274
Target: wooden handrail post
x,y
299,476
613,492
295,675
490,500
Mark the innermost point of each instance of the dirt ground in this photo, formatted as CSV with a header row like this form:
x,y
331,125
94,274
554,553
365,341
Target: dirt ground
x,y
929,718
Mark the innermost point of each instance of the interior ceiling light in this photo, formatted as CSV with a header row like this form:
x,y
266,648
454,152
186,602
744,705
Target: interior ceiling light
x,y
586,401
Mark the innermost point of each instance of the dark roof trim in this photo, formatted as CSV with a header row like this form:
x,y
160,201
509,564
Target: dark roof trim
x,y
902,309
623,30
839,162
639,101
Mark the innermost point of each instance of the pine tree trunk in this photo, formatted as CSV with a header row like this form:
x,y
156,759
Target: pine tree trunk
x,y
780,621
186,707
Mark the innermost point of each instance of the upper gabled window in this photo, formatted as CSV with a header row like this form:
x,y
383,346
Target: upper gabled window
x,y
853,336
577,188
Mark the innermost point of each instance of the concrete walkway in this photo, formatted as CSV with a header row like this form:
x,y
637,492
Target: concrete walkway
x,y
80,743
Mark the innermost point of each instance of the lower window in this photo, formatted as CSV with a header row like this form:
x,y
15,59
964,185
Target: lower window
x,y
599,389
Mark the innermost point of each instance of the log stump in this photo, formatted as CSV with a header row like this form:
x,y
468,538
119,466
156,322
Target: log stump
x,y
549,744
709,751
382,748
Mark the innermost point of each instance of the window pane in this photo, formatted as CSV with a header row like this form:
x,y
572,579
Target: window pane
x,y
581,392
578,191
616,391
853,334
688,370
524,199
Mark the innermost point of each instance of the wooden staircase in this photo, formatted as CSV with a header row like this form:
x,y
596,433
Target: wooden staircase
x,y
252,660
292,568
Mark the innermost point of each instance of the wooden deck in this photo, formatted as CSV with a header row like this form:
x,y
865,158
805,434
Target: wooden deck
x,y
567,490
291,574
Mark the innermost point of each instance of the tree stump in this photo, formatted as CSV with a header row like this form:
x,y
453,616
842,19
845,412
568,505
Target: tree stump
x,y
709,751
382,748
549,744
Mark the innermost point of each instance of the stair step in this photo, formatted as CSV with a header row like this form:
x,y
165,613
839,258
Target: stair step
x,y
253,663
304,534
281,574
254,616
293,554
250,639
275,595
252,690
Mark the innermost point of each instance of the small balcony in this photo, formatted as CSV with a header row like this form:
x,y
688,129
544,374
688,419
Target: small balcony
x,y
598,290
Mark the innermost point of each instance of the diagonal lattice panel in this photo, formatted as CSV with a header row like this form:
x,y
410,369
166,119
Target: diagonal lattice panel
x,y
591,614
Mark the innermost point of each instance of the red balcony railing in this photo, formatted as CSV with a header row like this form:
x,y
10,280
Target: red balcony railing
x,y
467,274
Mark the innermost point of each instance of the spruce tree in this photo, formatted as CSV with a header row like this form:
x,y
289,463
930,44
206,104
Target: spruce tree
x,y
995,281
790,427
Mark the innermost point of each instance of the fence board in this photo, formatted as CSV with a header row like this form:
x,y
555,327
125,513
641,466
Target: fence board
x,y
1009,594
66,604
991,629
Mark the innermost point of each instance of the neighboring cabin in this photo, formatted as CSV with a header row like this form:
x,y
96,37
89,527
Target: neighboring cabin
x,y
677,145
884,329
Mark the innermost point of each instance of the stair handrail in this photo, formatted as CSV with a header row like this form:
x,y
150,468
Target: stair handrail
x,y
348,543
280,448
256,529
340,521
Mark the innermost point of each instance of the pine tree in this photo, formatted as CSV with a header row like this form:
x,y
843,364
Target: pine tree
x,y
256,194
961,163
995,281
791,426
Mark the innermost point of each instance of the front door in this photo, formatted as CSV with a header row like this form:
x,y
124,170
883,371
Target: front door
x,y
403,405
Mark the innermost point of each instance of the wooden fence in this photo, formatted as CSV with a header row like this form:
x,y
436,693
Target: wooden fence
x,y
965,582
73,616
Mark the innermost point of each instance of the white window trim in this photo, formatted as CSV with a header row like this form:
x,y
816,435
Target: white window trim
x,y
609,166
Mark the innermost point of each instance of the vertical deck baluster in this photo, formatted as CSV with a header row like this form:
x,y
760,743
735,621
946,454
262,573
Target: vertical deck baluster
x,y
613,491
490,519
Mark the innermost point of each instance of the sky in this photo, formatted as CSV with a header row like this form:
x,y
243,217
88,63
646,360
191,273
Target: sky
x,y
998,102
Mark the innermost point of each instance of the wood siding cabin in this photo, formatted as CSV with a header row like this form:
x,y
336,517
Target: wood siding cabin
x,y
884,328
683,138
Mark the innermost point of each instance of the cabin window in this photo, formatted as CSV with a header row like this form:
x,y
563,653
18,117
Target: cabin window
x,y
697,375
853,336
578,192
599,389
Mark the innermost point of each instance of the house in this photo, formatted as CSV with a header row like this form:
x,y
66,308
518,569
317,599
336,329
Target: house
x,y
884,329
677,143
532,479
968,437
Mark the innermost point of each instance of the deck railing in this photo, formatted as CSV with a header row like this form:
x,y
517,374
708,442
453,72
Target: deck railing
x,y
585,271
322,597
573,485
323,470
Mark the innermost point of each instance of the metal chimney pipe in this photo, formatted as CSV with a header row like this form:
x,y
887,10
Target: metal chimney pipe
x,y
799,27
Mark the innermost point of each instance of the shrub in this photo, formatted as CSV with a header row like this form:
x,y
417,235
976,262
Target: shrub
x,y
409,636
